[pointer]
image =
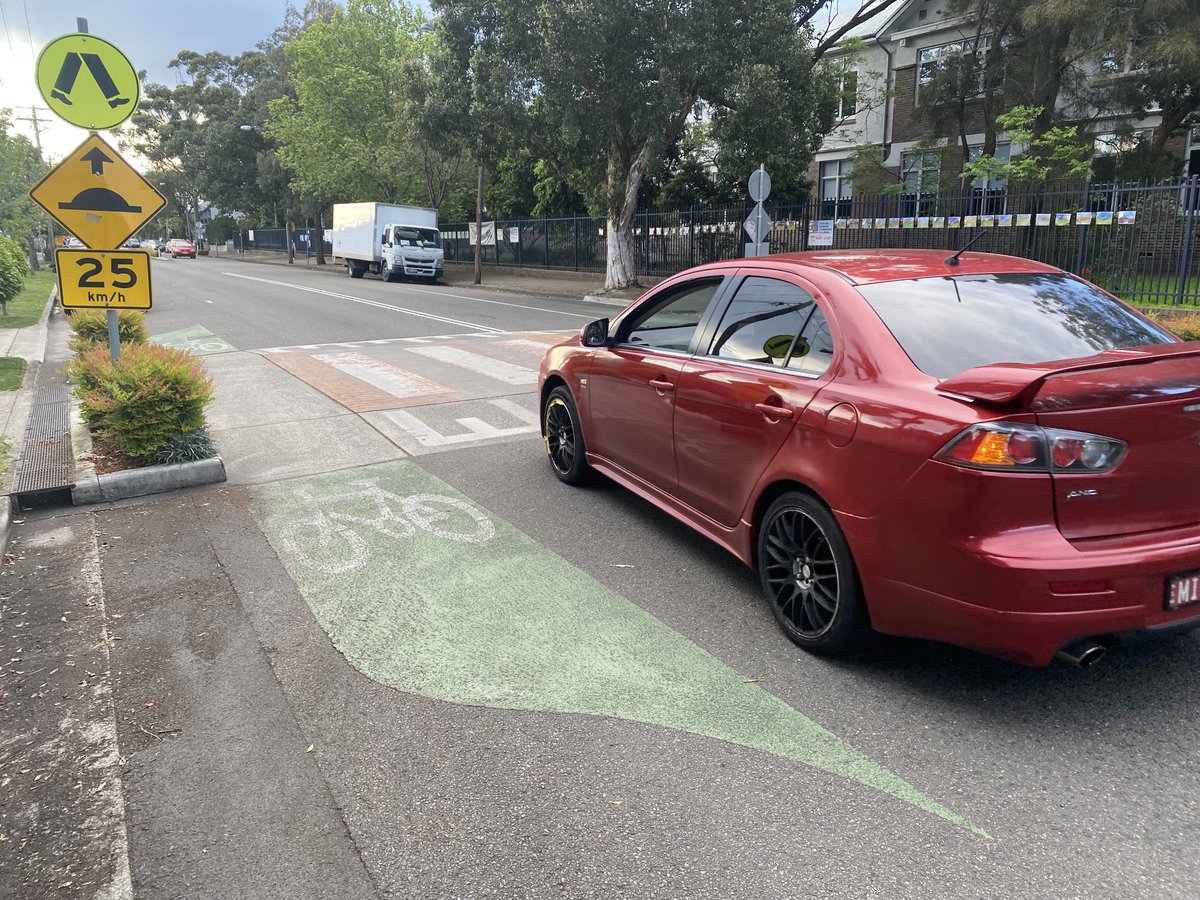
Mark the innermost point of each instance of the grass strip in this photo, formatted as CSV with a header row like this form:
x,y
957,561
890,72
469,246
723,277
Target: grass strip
x,y
12,372
26,308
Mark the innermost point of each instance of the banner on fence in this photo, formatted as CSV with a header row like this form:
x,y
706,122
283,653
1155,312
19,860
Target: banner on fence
x,y
489,234
820,231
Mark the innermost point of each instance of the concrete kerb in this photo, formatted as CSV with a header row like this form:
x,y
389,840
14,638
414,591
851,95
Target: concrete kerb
x,y
92,488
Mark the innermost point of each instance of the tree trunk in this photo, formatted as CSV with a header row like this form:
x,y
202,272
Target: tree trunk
x,y
624,184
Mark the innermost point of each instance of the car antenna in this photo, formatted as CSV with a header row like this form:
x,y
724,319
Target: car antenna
x,y
953,260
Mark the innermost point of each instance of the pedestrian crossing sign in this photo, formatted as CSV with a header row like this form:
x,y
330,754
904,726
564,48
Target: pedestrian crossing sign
x,y
87,81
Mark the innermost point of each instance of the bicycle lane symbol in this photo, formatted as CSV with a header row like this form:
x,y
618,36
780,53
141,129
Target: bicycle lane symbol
x,y
329,539
423,591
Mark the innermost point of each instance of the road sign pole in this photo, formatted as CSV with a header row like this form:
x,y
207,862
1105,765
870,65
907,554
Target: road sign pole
x,y
114,335
114,326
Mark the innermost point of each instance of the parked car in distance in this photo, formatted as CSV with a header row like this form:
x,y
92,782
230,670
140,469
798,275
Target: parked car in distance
x,y
179,247
72,243
976,449
133,243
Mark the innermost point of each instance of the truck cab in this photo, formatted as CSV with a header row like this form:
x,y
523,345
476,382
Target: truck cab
x,y
412,251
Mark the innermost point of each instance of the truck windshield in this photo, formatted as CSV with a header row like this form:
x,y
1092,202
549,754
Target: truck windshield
x,y
418,237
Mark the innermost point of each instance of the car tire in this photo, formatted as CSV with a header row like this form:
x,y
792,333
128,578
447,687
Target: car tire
x,y
564,438
809,577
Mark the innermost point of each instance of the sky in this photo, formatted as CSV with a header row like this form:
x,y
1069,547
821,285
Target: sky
x,y
148,32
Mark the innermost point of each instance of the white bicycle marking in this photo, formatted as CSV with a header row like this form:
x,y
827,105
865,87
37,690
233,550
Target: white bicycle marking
x,y
396,517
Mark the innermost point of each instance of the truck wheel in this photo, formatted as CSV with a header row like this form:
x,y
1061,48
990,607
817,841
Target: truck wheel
x,y
385,273
354,269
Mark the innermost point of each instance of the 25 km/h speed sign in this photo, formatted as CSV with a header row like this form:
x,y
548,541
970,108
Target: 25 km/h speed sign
x,y
100,279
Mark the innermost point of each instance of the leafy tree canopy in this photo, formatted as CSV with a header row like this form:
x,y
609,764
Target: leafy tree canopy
x,y
602,88
21,167
346,133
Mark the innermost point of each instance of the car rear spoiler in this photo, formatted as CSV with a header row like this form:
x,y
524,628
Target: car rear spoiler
x,y
1016,384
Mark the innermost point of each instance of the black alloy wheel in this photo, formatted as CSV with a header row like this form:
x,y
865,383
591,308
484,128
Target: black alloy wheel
x,y
809,577
564,440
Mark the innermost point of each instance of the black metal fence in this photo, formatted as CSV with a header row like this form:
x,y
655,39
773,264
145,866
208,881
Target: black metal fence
x,y
304,240
1139,241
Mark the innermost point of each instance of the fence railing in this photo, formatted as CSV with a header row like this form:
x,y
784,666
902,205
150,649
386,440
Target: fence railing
x,y
1138,241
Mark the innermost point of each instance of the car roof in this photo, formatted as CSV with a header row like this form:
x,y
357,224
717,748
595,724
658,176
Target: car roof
x,y
872,266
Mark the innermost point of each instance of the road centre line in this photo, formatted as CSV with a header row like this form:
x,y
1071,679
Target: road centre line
x,y
554,312
363,300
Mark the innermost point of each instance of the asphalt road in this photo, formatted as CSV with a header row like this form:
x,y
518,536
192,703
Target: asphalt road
x,y
557,692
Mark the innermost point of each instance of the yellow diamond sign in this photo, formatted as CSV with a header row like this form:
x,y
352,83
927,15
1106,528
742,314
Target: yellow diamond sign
x,y
97,196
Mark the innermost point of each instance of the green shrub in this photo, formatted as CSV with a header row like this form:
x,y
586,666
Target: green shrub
x,y
14,268
187,446
90,327
148,396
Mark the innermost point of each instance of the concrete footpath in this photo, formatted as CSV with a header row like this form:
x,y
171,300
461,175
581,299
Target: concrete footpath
x,y
63,819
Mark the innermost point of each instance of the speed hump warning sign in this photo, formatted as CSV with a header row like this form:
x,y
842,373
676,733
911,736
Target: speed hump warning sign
x,y
87,81
99,279
97,196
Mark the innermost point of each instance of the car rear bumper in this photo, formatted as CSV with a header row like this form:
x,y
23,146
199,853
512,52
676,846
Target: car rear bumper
x,y
1028,602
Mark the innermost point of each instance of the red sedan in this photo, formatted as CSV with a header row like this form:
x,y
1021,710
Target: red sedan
x,y
979,449
180,247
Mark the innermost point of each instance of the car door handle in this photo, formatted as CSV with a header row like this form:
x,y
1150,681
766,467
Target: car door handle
x,y
661,385
771,411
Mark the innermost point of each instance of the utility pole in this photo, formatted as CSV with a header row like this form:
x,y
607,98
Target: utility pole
x,y
37,142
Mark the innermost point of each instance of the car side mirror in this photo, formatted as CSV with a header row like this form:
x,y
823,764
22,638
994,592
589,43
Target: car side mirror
x,y
594,334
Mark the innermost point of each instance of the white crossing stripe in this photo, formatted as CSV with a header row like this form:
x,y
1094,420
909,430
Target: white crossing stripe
x,y
482,365
388,379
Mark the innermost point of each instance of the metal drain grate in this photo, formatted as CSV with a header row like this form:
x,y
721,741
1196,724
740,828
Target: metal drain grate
x,y
47,461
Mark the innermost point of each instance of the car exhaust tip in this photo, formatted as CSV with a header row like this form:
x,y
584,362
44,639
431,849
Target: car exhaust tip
x,y
1082,654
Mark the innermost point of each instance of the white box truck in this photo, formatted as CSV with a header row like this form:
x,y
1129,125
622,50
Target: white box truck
x,y
388,240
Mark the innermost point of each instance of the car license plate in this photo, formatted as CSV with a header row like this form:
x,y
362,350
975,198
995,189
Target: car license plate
x,y
1183,590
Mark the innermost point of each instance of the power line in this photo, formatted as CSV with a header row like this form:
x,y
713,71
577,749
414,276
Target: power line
x,y
28,30
7,30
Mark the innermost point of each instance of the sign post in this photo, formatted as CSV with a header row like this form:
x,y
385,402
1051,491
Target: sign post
x,y
758,225
94,193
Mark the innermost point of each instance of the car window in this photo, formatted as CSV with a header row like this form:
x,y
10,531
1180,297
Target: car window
x,y
762,321
813,352
950,324
670,321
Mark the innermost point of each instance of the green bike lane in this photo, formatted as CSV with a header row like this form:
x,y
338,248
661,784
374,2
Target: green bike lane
x,y
423,591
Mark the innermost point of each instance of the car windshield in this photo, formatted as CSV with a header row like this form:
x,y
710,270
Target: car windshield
x,y
951,324
418,237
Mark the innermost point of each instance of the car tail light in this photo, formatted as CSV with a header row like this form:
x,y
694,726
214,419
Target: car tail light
x,y
1016,447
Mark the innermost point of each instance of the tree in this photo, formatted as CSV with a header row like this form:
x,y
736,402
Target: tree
x,y
1076,61
14,268
21,167
1056,152
346,134
602,88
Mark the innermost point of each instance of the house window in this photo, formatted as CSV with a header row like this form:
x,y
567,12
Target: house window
x,y
848,94
921,171
989,196
933,61
835,188
1115,144
1001,154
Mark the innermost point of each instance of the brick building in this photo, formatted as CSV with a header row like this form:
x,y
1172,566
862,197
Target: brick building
x,y
880,108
